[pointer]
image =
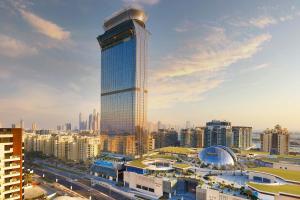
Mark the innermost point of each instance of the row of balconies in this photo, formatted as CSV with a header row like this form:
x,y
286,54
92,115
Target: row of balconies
x,y
11,189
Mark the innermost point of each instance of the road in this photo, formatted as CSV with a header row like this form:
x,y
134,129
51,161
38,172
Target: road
x,y
81,186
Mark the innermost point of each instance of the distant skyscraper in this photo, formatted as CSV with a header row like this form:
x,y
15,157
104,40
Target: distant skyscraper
x,y
22,124
68,126
34,126
91,122
275,141
123,75
159,125
80,122
188,125
97,121
218,133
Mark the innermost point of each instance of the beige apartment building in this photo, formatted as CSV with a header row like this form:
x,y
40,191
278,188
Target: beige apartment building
x,y
11,164
69,147
275,141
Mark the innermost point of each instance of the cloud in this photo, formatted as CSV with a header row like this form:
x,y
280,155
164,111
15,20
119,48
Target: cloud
x,y
14,48
261,66
286,18
45,27
4,74
199,67
141,2
187,25
212,54
263,22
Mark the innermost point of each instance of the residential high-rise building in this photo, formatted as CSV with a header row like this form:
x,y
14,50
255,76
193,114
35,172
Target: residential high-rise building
x,y
197,137
165,138
242,137
275,141
11,160
185,137
192,137
119,143
124,49
218,133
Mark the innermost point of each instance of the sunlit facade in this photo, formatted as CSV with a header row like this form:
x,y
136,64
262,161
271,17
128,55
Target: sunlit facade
x,y
124,76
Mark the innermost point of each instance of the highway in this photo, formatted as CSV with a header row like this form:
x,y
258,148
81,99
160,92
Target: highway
x,y
81,186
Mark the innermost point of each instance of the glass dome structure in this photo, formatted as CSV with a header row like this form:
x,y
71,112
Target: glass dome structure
x,y
218,157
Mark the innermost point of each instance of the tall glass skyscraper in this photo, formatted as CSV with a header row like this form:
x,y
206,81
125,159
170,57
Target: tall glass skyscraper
x,y
124,47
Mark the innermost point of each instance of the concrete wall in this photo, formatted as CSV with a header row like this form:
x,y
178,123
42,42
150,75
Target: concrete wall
x,y
212,194
286,166
134,179
262,175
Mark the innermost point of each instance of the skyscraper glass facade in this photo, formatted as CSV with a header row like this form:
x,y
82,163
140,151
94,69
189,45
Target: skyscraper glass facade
x,y
123,75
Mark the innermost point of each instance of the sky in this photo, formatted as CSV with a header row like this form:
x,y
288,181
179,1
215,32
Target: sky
x,y
218,59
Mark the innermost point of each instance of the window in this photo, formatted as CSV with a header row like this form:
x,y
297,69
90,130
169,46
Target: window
x,y
139,186
151,190
144,188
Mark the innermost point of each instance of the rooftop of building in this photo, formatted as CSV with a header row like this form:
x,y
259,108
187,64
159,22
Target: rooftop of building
x,y
253,152
292,160
276,189
281,173
181,166
178,150
129,13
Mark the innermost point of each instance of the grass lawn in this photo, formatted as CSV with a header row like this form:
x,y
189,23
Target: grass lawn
x,y
163,156
179,150
287,188
285,174
181,165
137,163
245,152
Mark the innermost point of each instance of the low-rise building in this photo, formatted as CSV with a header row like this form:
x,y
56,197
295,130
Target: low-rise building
x,y
205,193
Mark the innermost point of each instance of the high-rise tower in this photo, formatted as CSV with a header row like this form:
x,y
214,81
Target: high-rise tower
x,y
124,48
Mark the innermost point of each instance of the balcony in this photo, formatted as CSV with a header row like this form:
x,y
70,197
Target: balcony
x,y
12,181
10,150
14,197
11,189
12,166
6,135
11,158
11,174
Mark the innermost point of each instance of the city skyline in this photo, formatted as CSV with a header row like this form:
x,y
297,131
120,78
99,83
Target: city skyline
x,y
227,64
